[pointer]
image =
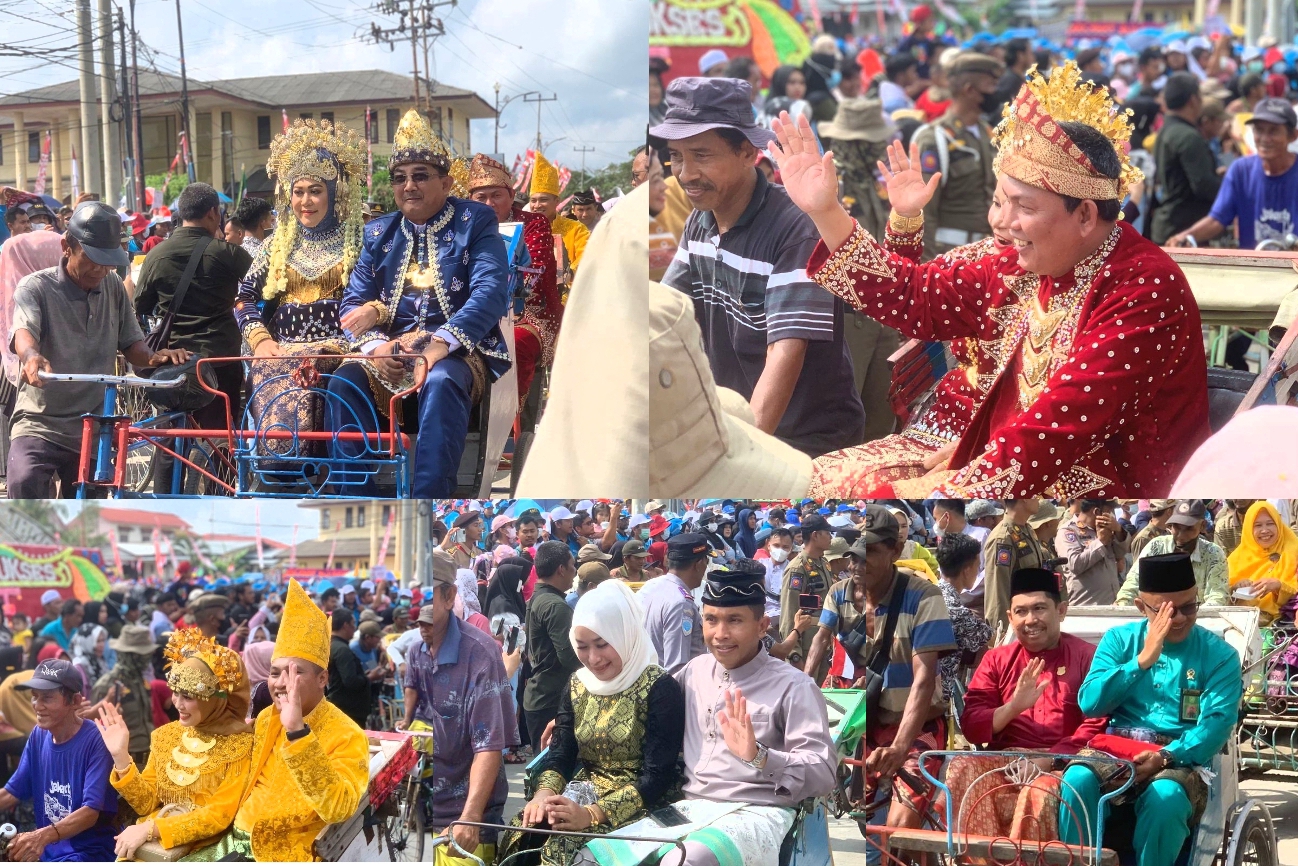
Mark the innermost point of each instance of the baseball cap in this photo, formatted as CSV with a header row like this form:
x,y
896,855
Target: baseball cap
x,y
426,614
368,615
878,525
711,58
53,674
370,628
1188,512
98,229
636,520
561,513
346,589
591,553
980,508
815,523
50,595
634,547
1274,110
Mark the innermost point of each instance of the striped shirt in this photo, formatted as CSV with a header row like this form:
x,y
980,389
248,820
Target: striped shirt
x,y
750,289
922,626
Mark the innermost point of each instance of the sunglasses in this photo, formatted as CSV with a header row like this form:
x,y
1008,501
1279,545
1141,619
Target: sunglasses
x,y
419,177
1185,610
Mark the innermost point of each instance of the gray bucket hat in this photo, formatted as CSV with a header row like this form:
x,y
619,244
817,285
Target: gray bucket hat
x,y
696,105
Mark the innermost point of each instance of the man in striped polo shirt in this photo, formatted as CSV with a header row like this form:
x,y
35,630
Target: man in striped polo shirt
x,y
770,332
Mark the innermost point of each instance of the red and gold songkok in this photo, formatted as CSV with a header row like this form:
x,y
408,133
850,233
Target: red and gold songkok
x,y
1035,149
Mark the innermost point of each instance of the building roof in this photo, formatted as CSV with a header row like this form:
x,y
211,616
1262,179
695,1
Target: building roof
x,y
278,91
347,547
136,517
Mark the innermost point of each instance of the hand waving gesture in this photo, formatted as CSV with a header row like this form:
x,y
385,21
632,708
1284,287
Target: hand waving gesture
x,y
117,736
907,191
290,705
1032,683
737,726
809,178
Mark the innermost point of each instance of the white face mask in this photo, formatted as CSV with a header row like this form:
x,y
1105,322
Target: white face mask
x,y
511,533
779,554
711,527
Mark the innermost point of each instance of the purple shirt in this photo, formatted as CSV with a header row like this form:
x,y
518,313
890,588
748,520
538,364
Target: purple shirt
x,y
465,695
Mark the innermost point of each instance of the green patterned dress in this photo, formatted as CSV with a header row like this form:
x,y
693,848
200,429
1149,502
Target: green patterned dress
x,y
620,752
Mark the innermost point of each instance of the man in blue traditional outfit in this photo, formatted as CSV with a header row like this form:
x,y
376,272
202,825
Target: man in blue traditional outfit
x,y
1168,682
431,280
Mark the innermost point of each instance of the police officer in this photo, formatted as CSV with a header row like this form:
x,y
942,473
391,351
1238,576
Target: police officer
x,y
808,574
959,145
671,615
1095,547
1010,545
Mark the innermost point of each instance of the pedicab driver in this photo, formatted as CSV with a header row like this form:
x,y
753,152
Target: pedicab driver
x,y
757,738
1172,683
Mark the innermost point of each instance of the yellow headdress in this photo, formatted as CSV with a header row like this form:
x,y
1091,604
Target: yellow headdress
x,y
545,177
332,154
303,629
415,141
221,676
1034,149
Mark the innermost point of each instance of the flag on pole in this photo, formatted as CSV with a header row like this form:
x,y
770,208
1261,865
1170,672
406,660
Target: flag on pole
x,y
117,554
387,536
564,176
243,181
284,112
369,149
261,555
76,185
188,163
158,561
43,171
333,547
292,551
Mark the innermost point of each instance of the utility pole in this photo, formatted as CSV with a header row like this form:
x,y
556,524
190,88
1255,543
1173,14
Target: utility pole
x,y
554,97
583,150
107,96
91,165
416,24
124,100
184,99
500,106
140,203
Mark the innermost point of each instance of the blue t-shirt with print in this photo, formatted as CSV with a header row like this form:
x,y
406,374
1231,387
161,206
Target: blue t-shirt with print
x,y
1265,206
59,780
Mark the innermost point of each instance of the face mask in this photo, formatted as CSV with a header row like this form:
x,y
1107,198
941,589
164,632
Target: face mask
x,y
511,534
989,104
643,534
711,527
779,554
835,79
1126,70
1255,66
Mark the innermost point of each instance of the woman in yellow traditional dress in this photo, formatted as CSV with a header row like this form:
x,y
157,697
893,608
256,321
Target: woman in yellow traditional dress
x,y
189,791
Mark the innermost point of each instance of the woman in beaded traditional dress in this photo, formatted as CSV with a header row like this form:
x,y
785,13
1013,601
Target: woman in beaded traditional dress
x,y
615,752
288,303
190,789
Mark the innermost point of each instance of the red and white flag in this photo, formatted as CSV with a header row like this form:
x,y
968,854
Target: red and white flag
x,y
76,183
292,551
387,537
158,560
564,176
284,113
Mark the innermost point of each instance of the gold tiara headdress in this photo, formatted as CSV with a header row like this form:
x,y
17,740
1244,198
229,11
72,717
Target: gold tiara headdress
x,y
317,149
222,662
1034,149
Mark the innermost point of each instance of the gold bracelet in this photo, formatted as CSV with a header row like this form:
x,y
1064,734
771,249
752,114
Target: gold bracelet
x,y
594,819
904,225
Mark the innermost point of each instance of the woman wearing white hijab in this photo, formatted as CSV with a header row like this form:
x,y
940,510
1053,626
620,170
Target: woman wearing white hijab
x,y
617,739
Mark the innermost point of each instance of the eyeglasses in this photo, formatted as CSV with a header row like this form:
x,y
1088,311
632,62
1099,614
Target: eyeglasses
x,y
1185,610
419,177
639,176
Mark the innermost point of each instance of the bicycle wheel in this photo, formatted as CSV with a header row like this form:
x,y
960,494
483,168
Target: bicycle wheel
x,y
405,831
214,458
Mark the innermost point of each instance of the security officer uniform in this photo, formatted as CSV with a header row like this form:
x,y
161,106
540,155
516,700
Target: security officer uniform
x,y
1008,548
810,577
957,213
671,616
1093,569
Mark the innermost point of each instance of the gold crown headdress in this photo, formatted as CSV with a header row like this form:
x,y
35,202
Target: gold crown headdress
x,y
326,152
415,141
545,177
222,674
1034,149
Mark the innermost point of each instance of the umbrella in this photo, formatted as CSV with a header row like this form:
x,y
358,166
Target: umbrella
x,y
223,198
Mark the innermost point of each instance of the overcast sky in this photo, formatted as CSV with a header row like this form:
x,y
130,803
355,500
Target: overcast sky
x,y
581,50
230,517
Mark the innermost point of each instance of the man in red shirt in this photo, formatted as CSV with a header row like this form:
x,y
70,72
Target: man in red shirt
x,y
1023,696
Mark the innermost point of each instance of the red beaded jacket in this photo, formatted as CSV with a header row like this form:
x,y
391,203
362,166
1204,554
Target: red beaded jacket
x,y
1094,383
542,311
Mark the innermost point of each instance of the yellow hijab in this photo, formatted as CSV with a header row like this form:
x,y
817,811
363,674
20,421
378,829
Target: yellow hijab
x,y
1251,561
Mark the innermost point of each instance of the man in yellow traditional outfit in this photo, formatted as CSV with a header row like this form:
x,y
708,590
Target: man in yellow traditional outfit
x,y
310,763
545,200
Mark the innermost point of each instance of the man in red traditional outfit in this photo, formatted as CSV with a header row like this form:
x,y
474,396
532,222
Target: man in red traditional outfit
x,y
1080,349
536,330
1024,697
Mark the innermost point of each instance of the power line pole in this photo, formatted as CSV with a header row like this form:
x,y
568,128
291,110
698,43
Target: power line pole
x,y
416,24
554,97
184,99
107,96
583,150
501,106
140,182
91,165
124,101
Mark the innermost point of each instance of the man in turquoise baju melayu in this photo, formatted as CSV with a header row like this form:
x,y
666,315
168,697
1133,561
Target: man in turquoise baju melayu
x,y
1169,682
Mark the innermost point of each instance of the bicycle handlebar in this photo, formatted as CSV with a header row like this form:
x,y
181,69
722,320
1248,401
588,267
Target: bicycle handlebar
x,y
98,379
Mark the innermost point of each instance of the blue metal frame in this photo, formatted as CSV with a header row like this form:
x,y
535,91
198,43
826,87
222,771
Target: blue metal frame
x,y
1104,798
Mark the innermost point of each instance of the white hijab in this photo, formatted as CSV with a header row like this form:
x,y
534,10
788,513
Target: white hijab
x,y
612,611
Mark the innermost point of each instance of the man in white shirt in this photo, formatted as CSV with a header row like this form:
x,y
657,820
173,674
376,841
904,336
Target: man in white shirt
x,y
779,549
